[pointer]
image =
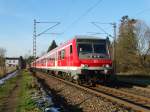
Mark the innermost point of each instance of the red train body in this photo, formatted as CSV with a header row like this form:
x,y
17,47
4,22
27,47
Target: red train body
x,y
83,57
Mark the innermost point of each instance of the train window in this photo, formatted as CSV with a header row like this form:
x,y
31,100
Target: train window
x,y
56,56
85,48
53,57
59,55
100,48
63,54
70,49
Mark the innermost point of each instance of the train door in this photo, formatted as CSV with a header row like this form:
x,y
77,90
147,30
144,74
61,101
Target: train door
x,y
70,55
56,58
46,62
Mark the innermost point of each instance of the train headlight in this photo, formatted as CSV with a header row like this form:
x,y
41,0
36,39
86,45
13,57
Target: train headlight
x,y
107,66
105,71
84,65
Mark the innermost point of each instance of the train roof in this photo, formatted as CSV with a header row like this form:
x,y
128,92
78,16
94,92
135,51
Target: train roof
x,y
75,37
88,37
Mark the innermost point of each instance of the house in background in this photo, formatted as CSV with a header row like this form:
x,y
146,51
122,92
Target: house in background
x,y
12,62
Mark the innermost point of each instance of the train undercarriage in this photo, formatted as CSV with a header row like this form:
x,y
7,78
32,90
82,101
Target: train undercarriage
x,y
88,77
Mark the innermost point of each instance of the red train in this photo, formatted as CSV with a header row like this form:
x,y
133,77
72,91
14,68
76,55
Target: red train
x,y
83,59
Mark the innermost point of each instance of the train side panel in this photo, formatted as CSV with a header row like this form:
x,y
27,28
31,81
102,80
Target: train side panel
x,y
67,59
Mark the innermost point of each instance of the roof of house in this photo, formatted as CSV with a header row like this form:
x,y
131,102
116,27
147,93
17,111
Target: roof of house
x,y
12,58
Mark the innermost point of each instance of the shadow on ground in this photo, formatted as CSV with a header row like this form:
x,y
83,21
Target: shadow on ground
x,y
135,79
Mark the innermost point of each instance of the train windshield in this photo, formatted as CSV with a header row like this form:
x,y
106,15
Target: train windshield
x,y
85,48
100,48
92,49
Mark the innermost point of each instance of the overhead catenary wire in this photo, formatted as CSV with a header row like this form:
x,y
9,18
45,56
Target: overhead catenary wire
x,y
43,32
141,12
94,23
84,14
35,35
135,15
95,33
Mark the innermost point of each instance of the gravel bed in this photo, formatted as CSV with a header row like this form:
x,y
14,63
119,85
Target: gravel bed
x,y
84,101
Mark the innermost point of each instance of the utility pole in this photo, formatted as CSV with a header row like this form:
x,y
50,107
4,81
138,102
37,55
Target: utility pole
x,y
114,38
35,35
114,47
34,42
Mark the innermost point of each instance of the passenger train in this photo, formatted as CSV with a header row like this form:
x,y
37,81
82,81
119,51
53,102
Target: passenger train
x,y
84,59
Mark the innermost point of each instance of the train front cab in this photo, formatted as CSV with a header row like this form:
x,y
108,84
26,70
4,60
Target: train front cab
x,y
94,59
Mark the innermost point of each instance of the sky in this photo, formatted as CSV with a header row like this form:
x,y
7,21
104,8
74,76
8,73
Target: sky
x,y
75,17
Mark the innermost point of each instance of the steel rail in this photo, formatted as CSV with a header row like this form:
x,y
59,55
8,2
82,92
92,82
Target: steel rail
x,y
119,102
136,89
140,91
136,99
142,88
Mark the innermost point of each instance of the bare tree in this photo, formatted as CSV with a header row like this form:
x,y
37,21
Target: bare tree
x,y
142,30
2,59
126,46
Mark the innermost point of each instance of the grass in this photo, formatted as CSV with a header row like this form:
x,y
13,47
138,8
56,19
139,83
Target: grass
x,y
28,87
8,70
6,89
1,73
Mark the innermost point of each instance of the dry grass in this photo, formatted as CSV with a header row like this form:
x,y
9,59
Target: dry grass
x,y
8,70
1,73
5,90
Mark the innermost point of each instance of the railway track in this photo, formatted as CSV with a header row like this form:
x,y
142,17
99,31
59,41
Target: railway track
x,y
125,95
119,98
130,88
137,90
146,89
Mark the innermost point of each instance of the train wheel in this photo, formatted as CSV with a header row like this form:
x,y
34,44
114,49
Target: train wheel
x,y
91,83
78,81
69,77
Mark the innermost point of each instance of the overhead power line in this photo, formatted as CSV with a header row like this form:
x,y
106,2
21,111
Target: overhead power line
x,y
35,35
114,37
96,25
141,12
43,32
54,33
95,33
84,14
